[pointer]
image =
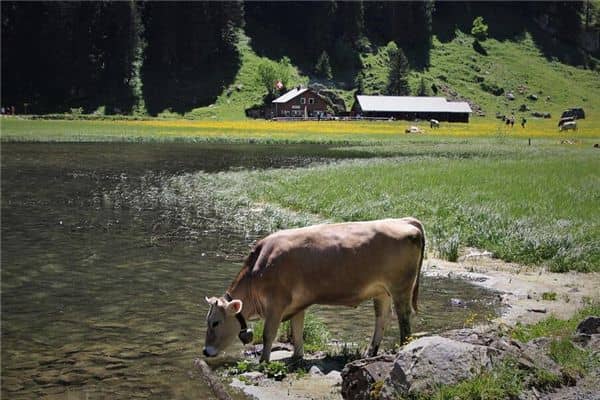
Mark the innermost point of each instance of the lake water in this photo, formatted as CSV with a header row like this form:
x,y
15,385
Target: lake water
x,y
93,307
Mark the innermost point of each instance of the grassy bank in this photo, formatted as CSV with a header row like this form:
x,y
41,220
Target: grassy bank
x,y
534,207
529,204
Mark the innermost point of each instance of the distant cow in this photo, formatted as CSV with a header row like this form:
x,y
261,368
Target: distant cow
x,y
569,125
413,129
565,119
338,264
434,123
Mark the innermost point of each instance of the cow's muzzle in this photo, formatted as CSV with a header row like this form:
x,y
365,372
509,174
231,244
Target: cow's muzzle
x,y
210,351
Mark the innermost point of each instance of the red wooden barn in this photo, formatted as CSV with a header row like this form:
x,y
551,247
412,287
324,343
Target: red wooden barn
x,y
299,102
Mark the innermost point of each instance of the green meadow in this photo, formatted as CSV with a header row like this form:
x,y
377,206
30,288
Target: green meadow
x,y
533,204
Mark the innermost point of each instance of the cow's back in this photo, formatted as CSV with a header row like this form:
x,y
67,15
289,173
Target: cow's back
x,y
339,263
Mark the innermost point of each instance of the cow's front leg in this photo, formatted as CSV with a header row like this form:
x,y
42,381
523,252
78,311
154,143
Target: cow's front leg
x,y
269,334
383,308
297,326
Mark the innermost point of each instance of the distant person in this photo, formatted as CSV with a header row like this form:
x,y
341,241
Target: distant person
x,y
523,122
512,121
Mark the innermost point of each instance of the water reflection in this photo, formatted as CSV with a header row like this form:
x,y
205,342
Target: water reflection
x,y
92,308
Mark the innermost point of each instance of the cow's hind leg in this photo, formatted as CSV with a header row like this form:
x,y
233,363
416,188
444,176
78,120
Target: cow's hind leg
x,y
402,305
383,308
297,327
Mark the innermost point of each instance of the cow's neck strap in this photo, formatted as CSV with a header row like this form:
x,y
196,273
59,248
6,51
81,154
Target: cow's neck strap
x,y
245,334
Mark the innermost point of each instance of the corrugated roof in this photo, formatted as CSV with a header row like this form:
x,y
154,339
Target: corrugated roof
x,y
290,95
411,104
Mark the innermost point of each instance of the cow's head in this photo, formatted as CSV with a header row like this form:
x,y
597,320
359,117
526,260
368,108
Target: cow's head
x,y
223,323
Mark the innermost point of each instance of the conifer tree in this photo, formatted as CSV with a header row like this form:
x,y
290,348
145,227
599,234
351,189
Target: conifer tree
x,y
398,72
323,67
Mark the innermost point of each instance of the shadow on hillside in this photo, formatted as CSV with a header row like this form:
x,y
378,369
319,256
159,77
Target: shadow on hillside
x,y
190,57
506,21
287,36
185,89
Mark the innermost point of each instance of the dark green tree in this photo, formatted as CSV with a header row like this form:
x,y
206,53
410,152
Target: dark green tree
x,y
398,73
323,67
360,83
479,29
422,90
349,21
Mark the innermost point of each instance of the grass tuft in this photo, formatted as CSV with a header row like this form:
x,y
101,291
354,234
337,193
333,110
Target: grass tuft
x,y
316,334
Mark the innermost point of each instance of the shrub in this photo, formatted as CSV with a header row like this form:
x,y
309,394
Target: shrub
x,y
77,111
550,296
479,29
275,369
492,88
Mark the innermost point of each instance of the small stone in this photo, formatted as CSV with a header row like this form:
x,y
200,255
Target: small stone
x,y
458,303
280,355
253,377
314,370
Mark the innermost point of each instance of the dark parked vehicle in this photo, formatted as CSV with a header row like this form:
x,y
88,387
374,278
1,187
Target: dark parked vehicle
x,y
576,112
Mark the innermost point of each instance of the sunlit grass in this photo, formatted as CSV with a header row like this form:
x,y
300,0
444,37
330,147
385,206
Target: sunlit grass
x,y
533,208
260,130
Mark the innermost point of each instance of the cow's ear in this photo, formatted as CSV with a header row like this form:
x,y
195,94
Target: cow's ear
x,y
234,306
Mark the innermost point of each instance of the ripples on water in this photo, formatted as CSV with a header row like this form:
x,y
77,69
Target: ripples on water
x,y
92,307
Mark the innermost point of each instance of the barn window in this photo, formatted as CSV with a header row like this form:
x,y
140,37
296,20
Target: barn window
x,y
302,100
311,101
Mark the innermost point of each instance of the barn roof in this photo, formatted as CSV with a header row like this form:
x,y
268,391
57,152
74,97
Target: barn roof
x,y
411,104
290,95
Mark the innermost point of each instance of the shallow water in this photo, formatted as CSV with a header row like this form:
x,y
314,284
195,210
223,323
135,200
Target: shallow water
x,y
92,307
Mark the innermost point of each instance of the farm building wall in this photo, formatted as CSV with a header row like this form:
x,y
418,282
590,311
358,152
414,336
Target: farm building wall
x,y
411,116
308,103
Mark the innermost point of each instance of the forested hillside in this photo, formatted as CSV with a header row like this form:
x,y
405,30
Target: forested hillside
x,y
146,57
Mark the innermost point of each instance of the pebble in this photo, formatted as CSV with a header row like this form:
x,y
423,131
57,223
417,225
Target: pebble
x,y
334,375
314,370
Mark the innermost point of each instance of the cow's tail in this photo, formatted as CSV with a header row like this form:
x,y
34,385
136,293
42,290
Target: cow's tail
x,y
415,294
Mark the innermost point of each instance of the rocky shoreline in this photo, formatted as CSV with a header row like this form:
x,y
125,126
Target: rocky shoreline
x,y
452,356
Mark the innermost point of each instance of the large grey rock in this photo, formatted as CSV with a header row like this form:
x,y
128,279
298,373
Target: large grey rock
x,y
432,361
360,377
428,362
528,356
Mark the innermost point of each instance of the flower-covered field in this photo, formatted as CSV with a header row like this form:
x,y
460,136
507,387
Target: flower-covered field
x,y
298,131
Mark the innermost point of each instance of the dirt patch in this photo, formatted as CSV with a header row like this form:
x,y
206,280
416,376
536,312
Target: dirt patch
x,y
529,294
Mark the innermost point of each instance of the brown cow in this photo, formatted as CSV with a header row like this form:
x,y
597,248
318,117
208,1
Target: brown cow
x,y
336,264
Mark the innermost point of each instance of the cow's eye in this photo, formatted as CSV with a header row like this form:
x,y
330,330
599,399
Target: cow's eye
x,y
214,324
